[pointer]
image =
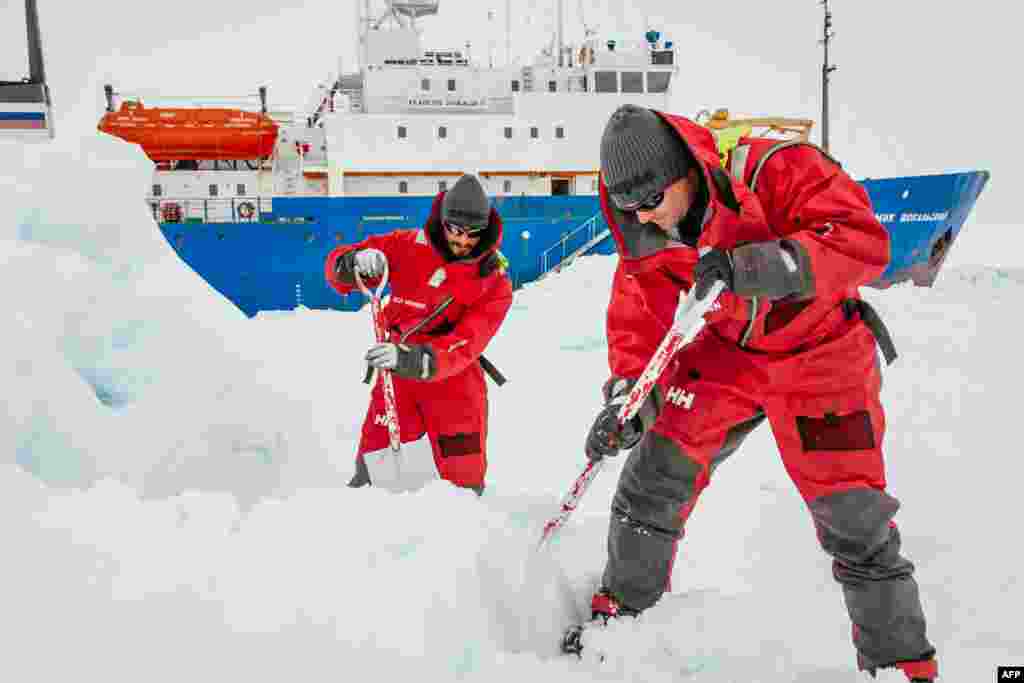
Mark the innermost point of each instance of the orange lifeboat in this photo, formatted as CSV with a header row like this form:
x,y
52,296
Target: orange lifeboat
x,y
167,134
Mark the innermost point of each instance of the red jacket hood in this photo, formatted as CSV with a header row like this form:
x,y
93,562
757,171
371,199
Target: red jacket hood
x,y
483,252
716,233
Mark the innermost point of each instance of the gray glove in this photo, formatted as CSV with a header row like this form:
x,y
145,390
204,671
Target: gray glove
x,y
414,361
370,263
772,270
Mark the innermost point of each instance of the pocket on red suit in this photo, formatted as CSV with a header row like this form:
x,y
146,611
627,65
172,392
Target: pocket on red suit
x,y
836,432
460,457
848,420
836,442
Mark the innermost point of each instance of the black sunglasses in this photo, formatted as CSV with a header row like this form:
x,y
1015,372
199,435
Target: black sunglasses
x,y
461,230
649,203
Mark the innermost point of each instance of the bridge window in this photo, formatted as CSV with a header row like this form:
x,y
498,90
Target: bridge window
x,y
606,81
508,186
401,132
425,85
657,81
451,85
240,189
559,132
442,132
403,187
158,190
534,132
552,86
662,57
632,81
508,132
442,186
515,85
213,190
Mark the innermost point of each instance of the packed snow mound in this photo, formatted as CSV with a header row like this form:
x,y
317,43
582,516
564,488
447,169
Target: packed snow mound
x,y
174,472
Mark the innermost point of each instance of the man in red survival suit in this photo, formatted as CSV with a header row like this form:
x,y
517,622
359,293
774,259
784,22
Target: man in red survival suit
x,y
453,265
789,341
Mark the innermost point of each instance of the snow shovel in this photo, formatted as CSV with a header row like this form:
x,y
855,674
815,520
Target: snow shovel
x,y
689,321
394,468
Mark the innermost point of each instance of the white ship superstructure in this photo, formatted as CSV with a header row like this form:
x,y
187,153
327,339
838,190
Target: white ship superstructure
x,y
410,120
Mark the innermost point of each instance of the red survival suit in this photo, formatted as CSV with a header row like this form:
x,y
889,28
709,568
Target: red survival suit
x,y
450,408
804,363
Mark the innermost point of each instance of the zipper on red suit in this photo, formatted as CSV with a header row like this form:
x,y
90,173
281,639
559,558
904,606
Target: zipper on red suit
x,y
750,325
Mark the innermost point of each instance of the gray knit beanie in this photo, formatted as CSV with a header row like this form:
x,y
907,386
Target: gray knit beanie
x,y
641,155
466,203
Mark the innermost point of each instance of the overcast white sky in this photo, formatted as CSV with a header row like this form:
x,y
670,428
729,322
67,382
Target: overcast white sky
x,y
917,81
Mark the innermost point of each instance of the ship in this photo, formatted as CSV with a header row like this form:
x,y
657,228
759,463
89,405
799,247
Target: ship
x,y
26,110
254,197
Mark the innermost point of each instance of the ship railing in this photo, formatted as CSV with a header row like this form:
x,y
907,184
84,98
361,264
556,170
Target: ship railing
x,y
573,244
211,210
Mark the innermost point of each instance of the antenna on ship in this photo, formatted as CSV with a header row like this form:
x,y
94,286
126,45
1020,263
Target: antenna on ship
x,y
561,33
508,33
826,69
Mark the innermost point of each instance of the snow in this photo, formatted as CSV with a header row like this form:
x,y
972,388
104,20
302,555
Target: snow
x,y
173,477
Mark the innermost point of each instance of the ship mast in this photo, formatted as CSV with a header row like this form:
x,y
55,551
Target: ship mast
x,y
561,31
826,69
508,33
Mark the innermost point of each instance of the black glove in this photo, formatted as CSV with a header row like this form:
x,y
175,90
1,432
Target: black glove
x,y
769,270
714,265
606,437
414,361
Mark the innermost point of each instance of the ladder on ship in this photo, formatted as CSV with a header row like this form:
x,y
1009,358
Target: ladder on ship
x,y
573,244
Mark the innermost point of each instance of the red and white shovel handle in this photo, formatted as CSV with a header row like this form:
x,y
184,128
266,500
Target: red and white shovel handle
x,y
689,321
390,411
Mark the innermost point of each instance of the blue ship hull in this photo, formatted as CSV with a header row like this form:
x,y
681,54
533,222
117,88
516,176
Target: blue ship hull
x,y
277,263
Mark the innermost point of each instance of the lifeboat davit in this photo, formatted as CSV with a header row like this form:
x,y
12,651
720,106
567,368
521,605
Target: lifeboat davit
x,y
168,134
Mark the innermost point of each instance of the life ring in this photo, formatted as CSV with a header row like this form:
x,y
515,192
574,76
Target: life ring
x,y
246,210
171,212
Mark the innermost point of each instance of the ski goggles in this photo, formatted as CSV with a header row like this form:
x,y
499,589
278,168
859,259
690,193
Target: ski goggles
x,y
648,203
456,230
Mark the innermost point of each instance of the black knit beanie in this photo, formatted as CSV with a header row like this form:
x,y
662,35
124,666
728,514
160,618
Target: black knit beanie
x,y
641,155
466,203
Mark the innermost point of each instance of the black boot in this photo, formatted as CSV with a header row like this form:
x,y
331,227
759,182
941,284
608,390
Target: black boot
x,y
362,475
